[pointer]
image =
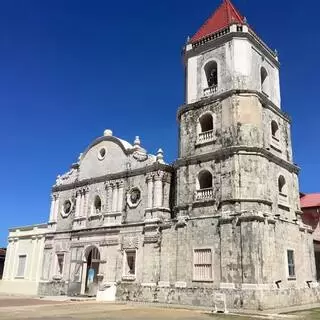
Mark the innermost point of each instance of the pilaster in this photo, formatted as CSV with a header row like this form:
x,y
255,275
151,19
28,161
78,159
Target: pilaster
x,y
158,205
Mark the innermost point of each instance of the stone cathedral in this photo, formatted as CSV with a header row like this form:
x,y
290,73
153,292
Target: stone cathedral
x,y
223,219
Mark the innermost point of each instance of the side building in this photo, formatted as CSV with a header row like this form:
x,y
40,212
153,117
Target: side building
x,y
310,205
23,264
2,259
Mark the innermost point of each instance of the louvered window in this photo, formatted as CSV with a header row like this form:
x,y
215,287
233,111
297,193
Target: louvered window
x,y
21,266
291,265
202,265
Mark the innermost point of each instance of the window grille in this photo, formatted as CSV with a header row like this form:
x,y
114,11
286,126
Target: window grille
x,y
202,268
291,265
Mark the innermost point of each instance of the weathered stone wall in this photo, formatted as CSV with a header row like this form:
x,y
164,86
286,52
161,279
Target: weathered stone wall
x,y
52,288
239,67
258,299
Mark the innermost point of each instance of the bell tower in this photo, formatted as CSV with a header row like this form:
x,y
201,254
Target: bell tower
x,y
235,165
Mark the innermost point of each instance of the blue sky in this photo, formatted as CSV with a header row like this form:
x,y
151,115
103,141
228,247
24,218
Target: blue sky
x,y
71,68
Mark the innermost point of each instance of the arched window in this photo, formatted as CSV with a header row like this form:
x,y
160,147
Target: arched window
x,y
274,129
206,122
264,80
211,71
205,180
97,204
281,184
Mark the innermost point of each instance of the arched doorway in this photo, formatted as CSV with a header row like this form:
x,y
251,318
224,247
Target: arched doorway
x,y
90,271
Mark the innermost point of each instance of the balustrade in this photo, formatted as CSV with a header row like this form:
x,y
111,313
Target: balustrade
x,y
205,136
210,90
204,194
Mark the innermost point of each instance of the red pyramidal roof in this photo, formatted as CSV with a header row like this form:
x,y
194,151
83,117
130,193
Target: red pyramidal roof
x,y
224,16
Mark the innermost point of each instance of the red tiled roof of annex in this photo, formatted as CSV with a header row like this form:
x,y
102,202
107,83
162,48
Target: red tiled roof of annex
x,y
310,200
224,16
2,251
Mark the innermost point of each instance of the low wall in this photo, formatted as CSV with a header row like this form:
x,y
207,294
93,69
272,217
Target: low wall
x,y
235,299
18,287
52,288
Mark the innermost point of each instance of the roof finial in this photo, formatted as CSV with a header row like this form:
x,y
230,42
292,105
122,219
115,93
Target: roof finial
x,y
245,20
137,141
160,156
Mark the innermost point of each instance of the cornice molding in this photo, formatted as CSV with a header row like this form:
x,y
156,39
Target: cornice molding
x,y
114,176
230,151
219,41
265,101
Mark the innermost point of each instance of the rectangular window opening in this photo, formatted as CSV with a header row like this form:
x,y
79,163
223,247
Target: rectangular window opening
x,y
202,265
21,266
130,263
60,260
291,265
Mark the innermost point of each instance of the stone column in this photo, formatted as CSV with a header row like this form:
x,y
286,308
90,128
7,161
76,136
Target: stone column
x,y
120,196
14,259
86,200
158,190
32,258
56,208
7,264
107,187
114,197
150,191
78,199
52,208
110,197
40,248
81,204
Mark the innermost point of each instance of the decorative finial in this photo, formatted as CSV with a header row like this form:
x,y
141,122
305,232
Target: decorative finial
x,y
137,141
188,39
107,133
160,156
276,52
245,20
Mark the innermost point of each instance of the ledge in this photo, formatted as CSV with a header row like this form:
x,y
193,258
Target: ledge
x,y
202,281
150,284
275,148
284,206
218,41
205,143
129,278
123,174
229,151
263,201
95,217
112,214
161,209
79,218
265,101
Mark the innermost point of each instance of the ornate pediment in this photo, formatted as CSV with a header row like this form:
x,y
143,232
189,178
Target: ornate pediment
x,y
67,178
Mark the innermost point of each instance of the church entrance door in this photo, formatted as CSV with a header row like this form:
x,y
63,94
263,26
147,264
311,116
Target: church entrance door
x,y
90,272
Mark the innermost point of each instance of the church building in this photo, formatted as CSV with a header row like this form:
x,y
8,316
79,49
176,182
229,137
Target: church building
x,y
223,220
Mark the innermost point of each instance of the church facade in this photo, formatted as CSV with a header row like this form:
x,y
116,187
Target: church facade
x,y
224,218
